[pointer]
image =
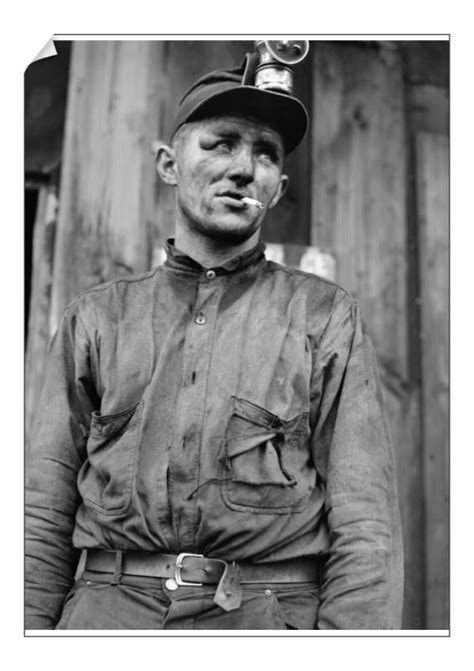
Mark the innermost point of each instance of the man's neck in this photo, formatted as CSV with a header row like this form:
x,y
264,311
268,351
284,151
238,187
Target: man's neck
x,y
210,252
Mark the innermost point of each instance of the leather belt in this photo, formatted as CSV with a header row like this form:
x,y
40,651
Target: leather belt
x,y
192,569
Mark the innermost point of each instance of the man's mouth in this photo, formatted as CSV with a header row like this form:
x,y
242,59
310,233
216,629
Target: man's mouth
x,y
234,198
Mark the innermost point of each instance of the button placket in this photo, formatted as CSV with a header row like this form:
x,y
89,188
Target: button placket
x,y
200,317
186,454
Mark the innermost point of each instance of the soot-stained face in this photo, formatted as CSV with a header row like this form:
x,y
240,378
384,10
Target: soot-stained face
x,y
217,162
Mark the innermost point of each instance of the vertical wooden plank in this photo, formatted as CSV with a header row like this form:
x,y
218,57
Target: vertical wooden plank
x,y
433,208
108,177
41,280
359,183
359,212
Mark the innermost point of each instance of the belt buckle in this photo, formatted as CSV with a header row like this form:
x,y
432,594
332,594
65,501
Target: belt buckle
x,y
179,566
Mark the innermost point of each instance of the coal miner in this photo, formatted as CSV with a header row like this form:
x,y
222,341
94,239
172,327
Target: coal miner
x,y
210,450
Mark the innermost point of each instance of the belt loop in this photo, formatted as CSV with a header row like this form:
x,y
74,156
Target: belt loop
x,y
117,576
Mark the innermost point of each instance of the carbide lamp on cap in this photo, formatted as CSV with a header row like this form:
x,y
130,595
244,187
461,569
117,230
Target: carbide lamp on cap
x,y
275,72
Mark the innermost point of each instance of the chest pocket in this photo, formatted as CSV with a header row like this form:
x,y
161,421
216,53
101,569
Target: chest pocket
x,y
106,478
266,462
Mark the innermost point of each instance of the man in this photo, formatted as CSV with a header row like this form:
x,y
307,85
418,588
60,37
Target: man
x,y
210,440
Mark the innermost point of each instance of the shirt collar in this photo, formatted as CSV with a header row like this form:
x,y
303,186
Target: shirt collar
x,y
182,263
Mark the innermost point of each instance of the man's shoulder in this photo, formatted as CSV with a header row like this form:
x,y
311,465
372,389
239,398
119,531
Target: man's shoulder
x,y
108,293
324,300
123,283
310,282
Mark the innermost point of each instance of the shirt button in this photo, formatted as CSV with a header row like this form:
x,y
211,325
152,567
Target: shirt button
x,y
268,592
210,274
200,319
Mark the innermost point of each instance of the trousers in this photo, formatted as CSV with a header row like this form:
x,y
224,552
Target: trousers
x,y
144,603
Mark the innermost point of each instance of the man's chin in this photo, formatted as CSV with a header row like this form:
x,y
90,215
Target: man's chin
x,y
227,233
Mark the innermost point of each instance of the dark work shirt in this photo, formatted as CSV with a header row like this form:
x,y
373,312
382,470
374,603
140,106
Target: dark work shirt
x,y
233,412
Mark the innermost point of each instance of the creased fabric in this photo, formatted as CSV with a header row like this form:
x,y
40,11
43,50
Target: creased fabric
x,y
146,603
237,416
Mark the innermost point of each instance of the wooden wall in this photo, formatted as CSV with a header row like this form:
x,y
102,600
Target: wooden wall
x,y
359,210
370,187
432,190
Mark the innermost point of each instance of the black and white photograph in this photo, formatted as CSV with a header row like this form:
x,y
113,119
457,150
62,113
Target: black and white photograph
x,y
236,335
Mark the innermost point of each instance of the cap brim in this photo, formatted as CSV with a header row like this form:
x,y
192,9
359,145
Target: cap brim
x,y
285,114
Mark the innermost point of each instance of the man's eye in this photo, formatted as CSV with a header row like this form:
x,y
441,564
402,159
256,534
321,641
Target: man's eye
x,y
267,156
211,143
223,144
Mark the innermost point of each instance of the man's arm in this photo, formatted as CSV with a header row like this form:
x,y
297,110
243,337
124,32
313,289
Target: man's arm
x,y
52,462
363,583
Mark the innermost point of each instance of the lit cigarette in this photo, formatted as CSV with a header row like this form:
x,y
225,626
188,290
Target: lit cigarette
x,y
252,201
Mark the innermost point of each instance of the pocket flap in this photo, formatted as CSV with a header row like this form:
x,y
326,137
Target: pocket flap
x,y
242,437
255,413
249,426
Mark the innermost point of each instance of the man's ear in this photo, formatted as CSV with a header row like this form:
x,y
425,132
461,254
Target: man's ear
x,y
282,187
166,164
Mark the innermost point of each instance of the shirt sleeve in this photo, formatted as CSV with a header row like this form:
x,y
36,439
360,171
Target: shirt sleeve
x,y
52,462
363,581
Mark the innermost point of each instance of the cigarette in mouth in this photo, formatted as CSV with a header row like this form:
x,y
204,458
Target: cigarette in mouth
x,y
252,201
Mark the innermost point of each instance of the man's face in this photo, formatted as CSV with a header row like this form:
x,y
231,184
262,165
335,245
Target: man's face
x,y
218,162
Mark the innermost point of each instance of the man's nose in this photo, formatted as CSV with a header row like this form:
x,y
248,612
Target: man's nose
x,y
242,167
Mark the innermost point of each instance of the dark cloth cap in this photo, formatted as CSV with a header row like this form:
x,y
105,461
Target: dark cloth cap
x,y
232,92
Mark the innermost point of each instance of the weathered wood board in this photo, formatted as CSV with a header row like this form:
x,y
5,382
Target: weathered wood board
x,y
432,153
108,176
359,212
39,334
